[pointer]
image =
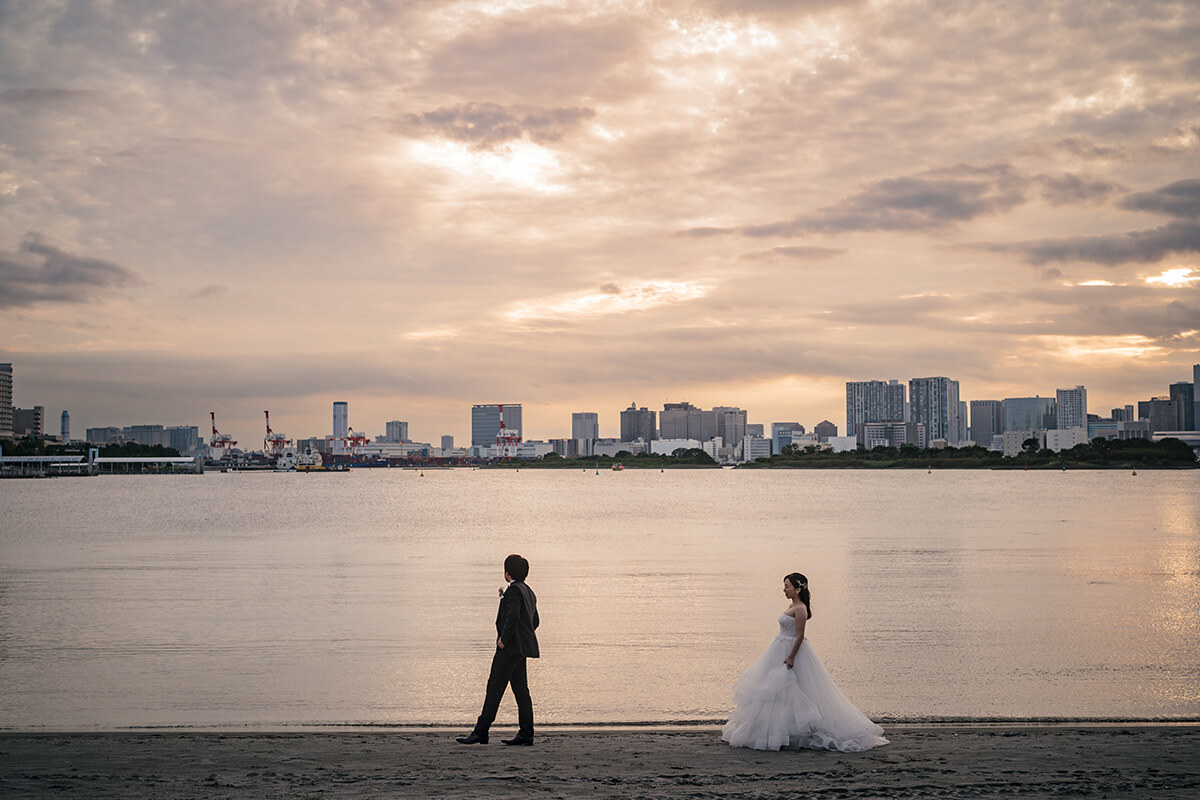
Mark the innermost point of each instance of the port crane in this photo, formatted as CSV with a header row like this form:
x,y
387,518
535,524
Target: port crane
x,y
220,440
355,441
275,443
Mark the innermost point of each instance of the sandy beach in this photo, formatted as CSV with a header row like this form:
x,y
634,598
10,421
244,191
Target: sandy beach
x,y
923,761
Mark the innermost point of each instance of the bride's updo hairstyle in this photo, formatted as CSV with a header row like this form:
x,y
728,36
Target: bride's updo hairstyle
x,y
800,582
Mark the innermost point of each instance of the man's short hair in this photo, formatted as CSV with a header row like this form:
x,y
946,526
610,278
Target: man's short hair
x,y
516,567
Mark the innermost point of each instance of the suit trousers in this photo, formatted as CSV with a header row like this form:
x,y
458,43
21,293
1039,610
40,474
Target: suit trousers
x,y
506,670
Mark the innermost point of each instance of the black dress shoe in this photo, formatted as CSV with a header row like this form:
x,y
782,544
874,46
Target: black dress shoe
x,y
519,740
472,738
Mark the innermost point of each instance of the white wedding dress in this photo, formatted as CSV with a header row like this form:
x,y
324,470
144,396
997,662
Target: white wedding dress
x,y
798,707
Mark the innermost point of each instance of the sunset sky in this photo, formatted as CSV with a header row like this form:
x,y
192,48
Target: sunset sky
x,y
417,206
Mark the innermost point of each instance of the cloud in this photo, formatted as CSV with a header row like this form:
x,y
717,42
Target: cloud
x,y
487,124
538,54
39,272
209,292
1084,147
1071,189
1179,199
794,252
927,201
1138,247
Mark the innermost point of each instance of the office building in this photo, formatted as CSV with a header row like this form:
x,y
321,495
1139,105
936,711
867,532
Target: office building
x,y
1161,412
1028,413
755,446
64,428
686,421
184,438
1124,414
148,435
1183,394
1070,410
639,423
731,424
447,442
341,427
825,430
585,425
783,433
109,435
933,402
985,421
6,395
396,431
28,421
873,401
756,429
892,434
486,419
1066,438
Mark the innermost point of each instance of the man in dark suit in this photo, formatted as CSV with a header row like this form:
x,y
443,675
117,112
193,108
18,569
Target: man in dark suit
x,y
515,643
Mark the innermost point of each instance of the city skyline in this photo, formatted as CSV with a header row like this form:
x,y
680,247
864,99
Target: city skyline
x,y
1024,413
416,207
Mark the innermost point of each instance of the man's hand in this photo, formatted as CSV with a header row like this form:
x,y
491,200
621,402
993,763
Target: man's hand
x,y
500,592
500,643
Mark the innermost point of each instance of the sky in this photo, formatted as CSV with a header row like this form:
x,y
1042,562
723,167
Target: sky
x,y
417,206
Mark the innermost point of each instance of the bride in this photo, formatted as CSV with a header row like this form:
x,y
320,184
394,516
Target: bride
x,y
787,699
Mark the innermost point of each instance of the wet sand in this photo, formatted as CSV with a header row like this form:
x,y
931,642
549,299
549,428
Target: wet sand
x,y
922,762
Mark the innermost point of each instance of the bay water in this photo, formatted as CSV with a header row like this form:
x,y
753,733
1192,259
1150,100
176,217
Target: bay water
x,y
274,600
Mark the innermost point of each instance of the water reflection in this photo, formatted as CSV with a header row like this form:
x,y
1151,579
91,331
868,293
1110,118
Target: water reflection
x,y
371,596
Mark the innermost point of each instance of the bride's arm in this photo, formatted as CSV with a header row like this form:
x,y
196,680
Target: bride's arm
x,y
800,621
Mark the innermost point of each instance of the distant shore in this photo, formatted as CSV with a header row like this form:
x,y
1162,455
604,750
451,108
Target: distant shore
x,y
928,761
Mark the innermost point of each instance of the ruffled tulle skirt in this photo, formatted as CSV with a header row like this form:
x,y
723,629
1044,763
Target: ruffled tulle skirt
x,y
799,707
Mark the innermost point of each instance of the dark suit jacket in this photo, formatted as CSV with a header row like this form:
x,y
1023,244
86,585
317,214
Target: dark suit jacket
x,y
517,619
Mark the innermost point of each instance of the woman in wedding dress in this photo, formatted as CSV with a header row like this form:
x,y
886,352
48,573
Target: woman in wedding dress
x,y
787,699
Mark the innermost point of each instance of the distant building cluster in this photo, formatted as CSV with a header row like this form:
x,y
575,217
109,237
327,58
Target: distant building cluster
x,y
878,415
922,413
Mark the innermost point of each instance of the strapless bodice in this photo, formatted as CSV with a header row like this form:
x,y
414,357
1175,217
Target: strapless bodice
x,y
787,626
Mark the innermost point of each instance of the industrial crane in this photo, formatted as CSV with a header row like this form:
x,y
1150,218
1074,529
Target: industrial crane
x,y
275,443
220,440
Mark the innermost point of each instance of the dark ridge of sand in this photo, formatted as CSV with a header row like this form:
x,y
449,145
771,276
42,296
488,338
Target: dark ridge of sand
x,y
922,762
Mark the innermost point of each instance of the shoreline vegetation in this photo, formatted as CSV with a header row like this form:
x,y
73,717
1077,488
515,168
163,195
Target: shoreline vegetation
x,y
1100,454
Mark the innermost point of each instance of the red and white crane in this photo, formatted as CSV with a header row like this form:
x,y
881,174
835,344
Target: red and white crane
x,y
275,443
355,441
221,441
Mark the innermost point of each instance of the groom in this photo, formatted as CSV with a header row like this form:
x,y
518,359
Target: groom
x,y
516,642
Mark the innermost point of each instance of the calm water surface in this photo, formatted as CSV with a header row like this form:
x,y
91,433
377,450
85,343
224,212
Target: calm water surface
x,y
370,597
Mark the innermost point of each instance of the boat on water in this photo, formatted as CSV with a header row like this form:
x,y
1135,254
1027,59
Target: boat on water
x,y
292,460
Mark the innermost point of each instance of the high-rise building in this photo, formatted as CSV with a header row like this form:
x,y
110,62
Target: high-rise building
x,y
395,431
447,442
1183,393
824,430
756,429
1161,412
28,421
1070,407
933,402
1124,414
109,435
731,423
341,426
486,419
873,401
6,394
64,428
1195,397
638,423
985,421
585,425
1028,413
